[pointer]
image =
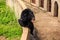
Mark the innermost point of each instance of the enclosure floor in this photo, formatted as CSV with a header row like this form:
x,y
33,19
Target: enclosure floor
x,y
47,26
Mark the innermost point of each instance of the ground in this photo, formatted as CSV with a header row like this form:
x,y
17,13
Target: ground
x,y
47,26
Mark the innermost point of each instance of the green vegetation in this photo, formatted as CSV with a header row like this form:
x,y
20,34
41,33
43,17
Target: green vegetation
x,y
9,26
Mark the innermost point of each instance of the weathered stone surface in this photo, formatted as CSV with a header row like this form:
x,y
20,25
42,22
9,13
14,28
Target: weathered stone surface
x,y
47,26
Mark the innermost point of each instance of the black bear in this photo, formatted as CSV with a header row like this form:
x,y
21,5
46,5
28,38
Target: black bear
x,y
26,20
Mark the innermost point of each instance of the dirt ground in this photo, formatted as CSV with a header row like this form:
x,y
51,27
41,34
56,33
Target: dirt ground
x,y
2,38
47,26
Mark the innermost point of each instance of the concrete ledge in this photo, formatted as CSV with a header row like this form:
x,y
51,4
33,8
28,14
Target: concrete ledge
x,y
25,35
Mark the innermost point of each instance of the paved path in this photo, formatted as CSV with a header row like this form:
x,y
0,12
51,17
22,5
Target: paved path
x,y
47,26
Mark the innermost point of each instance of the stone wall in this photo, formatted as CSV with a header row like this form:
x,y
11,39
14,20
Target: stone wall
x,y
17,6
26,34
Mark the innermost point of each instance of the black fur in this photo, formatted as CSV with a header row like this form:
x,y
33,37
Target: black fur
x,y
25,20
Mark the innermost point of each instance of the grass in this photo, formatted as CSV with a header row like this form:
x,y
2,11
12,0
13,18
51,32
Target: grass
x,y
9,26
